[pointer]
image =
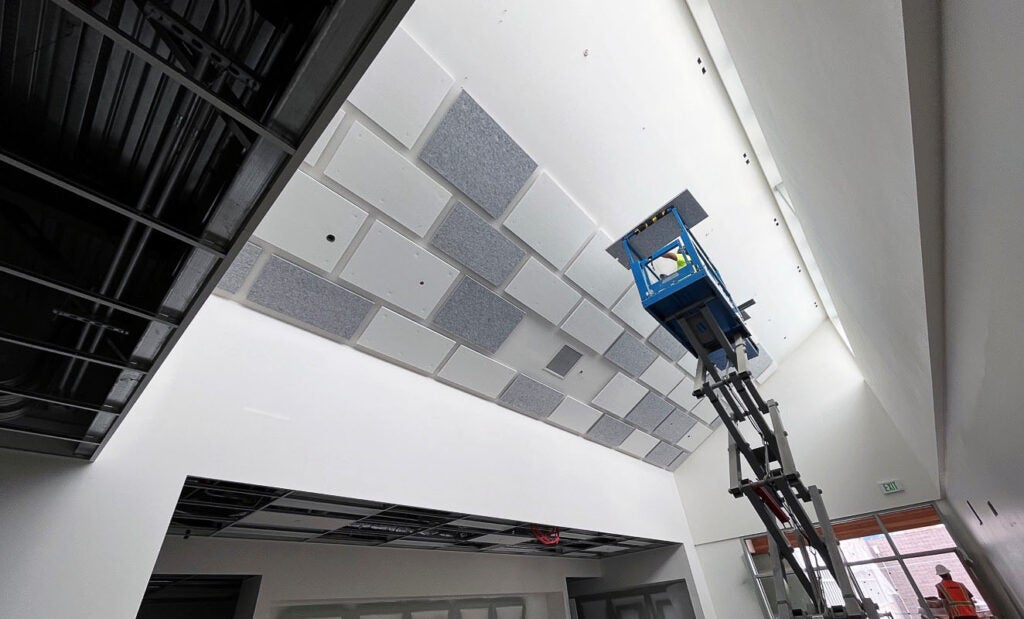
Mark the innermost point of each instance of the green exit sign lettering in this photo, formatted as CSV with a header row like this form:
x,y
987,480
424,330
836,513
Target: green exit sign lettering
x,y
891,487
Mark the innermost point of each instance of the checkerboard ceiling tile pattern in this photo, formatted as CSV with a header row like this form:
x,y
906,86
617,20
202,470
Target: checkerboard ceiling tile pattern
x,y
490,270
214,508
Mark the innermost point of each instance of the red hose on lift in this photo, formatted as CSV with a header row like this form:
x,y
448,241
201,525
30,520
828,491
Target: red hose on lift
x,y
549,536
771,503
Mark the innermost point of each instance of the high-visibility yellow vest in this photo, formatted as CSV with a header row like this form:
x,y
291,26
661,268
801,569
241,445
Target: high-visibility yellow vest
x,y
680,260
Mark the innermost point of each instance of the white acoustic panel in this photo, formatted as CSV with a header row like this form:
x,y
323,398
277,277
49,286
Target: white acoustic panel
x,y
476,372
377,173
402,88
697,435
620,395
638,444
591,326
574,415
598,273
406,341
662,376
705,411
682,395
311,222
689,363
632,312
542,290
294,521
321,143
399,271
550,222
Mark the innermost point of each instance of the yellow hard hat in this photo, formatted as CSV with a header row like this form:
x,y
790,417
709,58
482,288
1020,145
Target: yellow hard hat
x,y
941,570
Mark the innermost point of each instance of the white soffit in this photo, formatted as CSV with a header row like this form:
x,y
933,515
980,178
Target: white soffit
x,y
550,221
405,341
365,165
402,88
311,222
397,270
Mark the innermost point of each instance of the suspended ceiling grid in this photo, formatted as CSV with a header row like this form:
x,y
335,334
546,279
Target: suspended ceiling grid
x,y
223,509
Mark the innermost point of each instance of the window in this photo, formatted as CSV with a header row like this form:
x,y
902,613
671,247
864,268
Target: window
x,y
892,559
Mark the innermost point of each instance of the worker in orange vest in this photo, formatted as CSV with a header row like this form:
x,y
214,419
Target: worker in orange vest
x,y
957,598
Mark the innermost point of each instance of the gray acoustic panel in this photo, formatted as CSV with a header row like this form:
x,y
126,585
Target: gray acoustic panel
x,y
609,431
466,237
564,360
760,363
678,461
675,426
667,343
293,291
529,397
663,454
649,412
630,354
478,316
239,269
663,231
474,153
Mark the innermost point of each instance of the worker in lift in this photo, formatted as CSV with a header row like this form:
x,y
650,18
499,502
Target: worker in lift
x,y
958,599
680,260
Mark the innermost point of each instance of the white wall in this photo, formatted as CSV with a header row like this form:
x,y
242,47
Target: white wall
x,y
842,440
829,84
296,574
247,398
984,86
733,591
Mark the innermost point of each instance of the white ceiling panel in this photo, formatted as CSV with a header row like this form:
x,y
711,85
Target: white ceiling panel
x,y
311,222
689,363
638,444
321,143
595,271
592,326
397,270
620,395
477,372
293,521
632,312
550,222
705,411
682,395
406,341
377,173
662,376
574,415
402,88
542,290
697,435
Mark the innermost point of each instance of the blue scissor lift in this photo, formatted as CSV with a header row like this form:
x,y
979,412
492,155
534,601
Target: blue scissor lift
x,y
693,304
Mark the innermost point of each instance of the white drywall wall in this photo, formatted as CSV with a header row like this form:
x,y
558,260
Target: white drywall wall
x,y
828,82
247,398
841,438
296,574
733,591
984,87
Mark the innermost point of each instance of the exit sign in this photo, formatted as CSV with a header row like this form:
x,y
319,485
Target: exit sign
x,y
891,487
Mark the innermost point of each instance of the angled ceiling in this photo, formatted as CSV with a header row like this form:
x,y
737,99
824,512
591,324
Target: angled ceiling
x,y
841,118
446,226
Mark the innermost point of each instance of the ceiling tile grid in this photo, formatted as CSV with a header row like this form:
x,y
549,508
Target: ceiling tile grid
x,y
445,289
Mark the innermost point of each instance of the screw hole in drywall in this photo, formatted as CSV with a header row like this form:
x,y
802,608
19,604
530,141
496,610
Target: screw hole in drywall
x,y
421,283
703,70
330,238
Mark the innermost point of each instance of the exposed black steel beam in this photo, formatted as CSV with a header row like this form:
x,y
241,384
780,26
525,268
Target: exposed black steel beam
x,y
130,213
48,435
74,291
64,351
128,42
57,400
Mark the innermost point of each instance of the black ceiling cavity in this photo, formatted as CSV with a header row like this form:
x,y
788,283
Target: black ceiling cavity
x,y
661,232
199,596
563,361
224,509
141,142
